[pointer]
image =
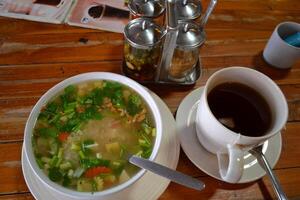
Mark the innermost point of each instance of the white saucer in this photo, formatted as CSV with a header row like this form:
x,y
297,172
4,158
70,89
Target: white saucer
x,y
148,187
206,161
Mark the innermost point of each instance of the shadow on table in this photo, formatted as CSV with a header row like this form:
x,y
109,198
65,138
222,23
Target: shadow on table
x,y
262,66
216,189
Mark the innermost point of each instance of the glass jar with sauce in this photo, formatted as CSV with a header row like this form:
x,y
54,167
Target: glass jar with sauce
x,y
142,49
186,54
153,9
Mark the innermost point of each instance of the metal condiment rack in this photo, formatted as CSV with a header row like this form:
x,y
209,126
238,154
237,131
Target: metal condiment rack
x,y
195,73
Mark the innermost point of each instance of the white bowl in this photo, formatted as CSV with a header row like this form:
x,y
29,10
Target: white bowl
x,y
58,88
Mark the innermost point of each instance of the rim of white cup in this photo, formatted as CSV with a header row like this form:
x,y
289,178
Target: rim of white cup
x,y
78,79
281,39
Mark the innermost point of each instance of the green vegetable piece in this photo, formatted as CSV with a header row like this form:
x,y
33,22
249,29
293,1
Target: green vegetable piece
x,y
48,132
134,104
85,146
68,96
147,153
146,126
117,167
54,174
96,96
54,161
65,166
70,107
70,90
93,162
71,125
66,181
90,113
110,88
118,99
40,162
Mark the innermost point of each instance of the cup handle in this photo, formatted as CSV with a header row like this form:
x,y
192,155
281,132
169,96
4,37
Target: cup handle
x,y
231,172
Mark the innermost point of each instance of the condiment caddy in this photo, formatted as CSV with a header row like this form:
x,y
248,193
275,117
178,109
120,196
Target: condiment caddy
x,y
163,39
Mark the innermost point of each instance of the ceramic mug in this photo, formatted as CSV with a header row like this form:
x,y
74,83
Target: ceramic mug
x,y
228,145
279,53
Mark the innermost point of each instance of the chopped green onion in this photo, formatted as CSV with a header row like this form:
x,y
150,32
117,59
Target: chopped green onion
x,y
81,154
46,159
65,166
54,174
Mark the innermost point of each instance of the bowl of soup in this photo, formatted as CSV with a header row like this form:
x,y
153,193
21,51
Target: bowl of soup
x,y
80,133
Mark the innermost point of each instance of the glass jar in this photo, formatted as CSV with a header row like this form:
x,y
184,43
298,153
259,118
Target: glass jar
x,y
186,54
142,49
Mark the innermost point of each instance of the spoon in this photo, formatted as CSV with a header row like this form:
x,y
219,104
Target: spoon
x,y
209,9
257,152
168,173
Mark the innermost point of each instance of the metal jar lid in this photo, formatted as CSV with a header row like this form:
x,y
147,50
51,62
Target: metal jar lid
x,y
188,9
146,8
143,33
190,35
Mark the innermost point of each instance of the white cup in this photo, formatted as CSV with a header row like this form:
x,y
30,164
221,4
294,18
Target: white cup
x,y
279,53
225,143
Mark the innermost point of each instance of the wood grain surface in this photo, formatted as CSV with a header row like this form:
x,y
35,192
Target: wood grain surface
x,y
35,56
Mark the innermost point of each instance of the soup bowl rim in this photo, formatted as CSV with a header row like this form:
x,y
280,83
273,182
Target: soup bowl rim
x,y
52,92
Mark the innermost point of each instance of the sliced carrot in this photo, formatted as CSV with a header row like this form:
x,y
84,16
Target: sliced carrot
x,y
95,171
63,136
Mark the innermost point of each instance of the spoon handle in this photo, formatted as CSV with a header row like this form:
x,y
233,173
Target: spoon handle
x,y
209,9
168,173
277,187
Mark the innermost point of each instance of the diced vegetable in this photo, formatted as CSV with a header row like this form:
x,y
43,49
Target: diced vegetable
x,y
54,174
84,185
70,173
117,167
153,132
110,178
134,104
63,136
95,171
48,132
92,162
65,166
40,163
81,154
113,148
46,159
99,183
124,176
75,147
98,155
78,172
66,181
139,153
86,146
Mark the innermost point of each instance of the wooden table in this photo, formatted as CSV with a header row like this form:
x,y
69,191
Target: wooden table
x,y
35,56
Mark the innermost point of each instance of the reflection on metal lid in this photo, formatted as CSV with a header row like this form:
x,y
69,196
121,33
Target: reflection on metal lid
x,y
147,8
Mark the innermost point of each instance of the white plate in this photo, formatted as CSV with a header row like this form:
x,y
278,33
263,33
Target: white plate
x,y
206,161
148,187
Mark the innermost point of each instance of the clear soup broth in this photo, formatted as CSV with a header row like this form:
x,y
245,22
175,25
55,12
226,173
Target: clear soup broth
x,y
83,136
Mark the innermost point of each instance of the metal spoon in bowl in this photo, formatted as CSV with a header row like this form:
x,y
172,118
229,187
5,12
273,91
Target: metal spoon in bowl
x,y
168,173
257,152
